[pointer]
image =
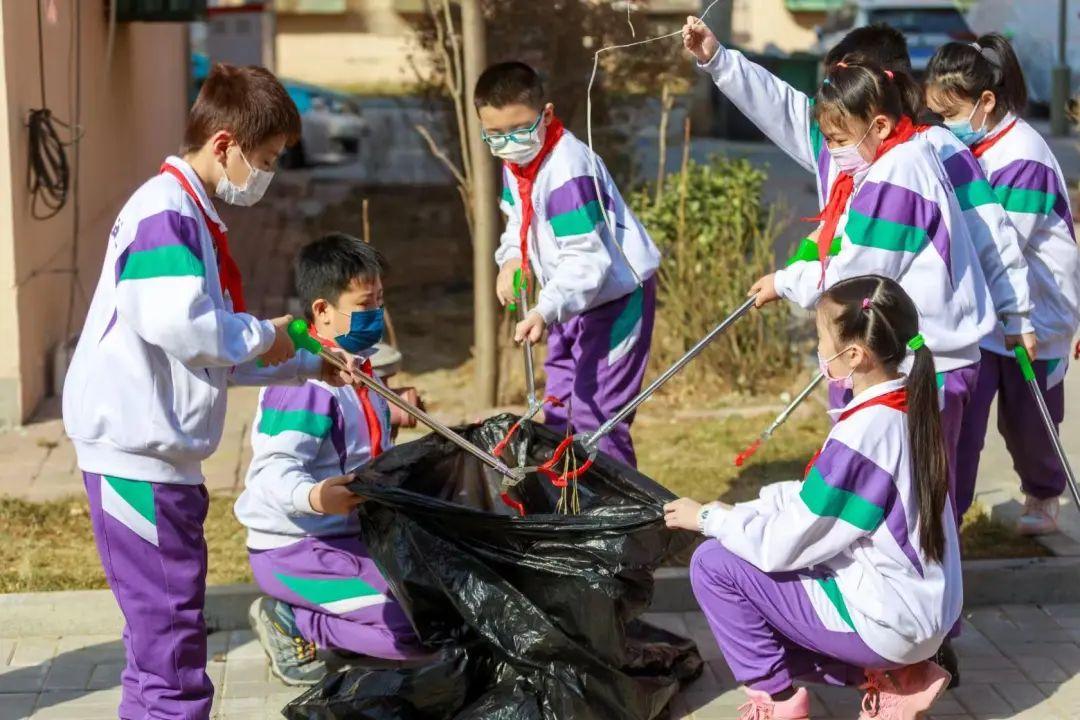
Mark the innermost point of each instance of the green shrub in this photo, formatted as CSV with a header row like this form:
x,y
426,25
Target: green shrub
x,y
716,239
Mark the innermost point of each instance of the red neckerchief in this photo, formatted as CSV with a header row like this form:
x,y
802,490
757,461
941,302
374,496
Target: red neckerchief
x,y
526,176
228,271
985,144
844,186
895,399
370,415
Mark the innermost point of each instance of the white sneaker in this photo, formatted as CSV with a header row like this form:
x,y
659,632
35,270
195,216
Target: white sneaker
x,y
1040,516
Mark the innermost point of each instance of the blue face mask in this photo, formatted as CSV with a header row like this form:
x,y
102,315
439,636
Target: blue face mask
x,y
965,133
365,329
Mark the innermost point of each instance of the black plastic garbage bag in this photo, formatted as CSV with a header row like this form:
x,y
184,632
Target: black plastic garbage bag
x,y
533,617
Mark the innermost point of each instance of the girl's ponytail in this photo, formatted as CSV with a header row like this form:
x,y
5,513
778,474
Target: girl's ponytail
x,y
877,313
1012,87
911,94
970,69
929,467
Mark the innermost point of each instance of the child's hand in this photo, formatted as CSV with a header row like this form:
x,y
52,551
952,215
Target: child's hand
x,y
699,40
339,378
682,514
331,497
400,418
504,284
283,347
1027,340
531,328
765,289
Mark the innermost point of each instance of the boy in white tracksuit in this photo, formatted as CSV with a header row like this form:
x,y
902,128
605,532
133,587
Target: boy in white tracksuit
x,y
981,84
144,399
568,225
323,589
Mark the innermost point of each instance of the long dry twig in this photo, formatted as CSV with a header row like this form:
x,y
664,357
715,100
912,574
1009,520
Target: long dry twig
x,y
667,101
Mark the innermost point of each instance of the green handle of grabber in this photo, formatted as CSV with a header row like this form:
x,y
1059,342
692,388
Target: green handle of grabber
x,y
1024,359
302,340
519,280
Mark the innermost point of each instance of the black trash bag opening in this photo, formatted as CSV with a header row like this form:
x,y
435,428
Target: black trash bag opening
x,y
535,615
437,468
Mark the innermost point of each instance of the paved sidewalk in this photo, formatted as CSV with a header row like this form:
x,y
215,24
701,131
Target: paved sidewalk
x,y
1018,661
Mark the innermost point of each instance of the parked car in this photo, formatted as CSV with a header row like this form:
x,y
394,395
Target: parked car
x,y
927,25
331,124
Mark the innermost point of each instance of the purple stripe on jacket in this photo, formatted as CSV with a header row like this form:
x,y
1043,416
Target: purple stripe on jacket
x,y
574,194
900,205
312,398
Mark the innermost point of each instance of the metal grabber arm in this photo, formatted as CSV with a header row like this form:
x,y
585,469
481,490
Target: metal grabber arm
x,y
298,332
1036,394
591,441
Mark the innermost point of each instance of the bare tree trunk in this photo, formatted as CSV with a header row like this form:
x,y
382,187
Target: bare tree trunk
x,y
483,197
667,101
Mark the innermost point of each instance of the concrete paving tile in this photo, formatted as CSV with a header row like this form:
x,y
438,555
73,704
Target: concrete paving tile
x,y
105,675
245,671
672,622
978,699
7,648
236,706
990,677
23,679
244,646
33,651
246,690
1021,696
985,661
707,684
17,706
1066,610
1041,669
65,675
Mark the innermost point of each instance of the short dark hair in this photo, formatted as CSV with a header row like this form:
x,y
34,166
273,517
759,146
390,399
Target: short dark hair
x,y
326,267
880,43
507,83
248,101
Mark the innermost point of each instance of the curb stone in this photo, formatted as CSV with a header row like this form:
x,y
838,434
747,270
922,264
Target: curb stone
x,y
94,612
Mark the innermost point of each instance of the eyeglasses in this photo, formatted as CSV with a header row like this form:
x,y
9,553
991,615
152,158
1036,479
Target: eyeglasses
x,y
520,136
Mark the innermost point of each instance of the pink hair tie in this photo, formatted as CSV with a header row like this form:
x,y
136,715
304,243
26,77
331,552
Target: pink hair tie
x,y
866,304
841,64
889,74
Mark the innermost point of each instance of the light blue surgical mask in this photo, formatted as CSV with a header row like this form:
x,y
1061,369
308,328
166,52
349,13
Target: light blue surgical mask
x,y
964,131
365,329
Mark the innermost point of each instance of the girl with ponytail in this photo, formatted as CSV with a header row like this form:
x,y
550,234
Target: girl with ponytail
x,y
980,90
852,576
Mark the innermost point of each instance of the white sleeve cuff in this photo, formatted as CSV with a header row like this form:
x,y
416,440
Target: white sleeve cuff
x,y
547,309
309,366
301,499
267,334
1018,325
782,282
713,66
714,524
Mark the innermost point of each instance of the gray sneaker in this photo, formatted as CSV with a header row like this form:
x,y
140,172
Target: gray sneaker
x,y
292,658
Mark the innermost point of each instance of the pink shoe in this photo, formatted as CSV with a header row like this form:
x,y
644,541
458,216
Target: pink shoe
x,y
762,707
1040,516
902,694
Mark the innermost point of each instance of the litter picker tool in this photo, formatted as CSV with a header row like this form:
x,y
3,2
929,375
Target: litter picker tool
x,y
298,332
1036,393
521,289
590,442
780,420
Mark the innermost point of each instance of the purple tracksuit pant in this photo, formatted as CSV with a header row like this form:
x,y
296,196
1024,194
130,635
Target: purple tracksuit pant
x,y
767,628
1019,422
595,364
339,598
150,538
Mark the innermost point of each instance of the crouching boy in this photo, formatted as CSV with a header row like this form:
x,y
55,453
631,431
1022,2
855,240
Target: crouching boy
x,y
323,590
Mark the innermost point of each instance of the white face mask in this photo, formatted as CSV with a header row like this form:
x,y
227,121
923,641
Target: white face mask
x,y
848,158
519,147
253,190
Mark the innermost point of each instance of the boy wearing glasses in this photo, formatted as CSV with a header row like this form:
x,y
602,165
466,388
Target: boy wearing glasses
x,y
569,228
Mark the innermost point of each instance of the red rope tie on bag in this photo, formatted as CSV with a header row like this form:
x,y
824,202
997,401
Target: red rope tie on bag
x,y
513,504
